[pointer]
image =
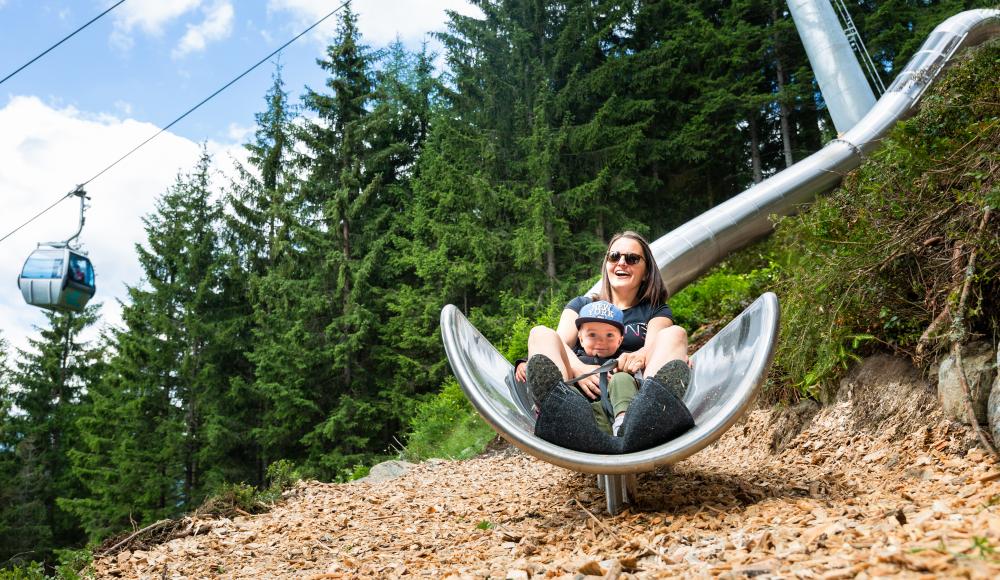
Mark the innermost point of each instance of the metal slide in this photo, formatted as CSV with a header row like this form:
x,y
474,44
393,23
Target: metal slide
x,y
731,367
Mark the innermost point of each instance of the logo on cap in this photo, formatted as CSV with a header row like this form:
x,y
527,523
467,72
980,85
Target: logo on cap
x,y
602,311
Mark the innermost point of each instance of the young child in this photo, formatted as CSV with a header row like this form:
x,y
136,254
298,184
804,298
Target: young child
x,y
600,332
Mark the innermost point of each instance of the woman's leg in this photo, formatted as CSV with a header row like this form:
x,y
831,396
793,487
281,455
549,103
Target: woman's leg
x,y
657,414
545,341
670,344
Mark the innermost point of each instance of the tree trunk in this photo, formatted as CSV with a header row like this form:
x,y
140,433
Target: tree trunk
x,y
783,112
758,174
345,231
550,251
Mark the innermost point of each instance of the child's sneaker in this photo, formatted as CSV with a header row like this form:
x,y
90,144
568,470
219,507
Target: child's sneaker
x,y
617,425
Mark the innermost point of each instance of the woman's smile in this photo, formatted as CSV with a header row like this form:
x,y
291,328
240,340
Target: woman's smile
x,y
625,277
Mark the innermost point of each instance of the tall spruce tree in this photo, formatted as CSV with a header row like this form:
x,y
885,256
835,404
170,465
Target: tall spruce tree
x,y
150,450
256,238
50,385
10,491
361,152
401,363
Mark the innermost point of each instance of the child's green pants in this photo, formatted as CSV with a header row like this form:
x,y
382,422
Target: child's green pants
x,y
621,390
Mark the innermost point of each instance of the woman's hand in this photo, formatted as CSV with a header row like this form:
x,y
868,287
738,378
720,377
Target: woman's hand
x,y
632,362
521,372
590,386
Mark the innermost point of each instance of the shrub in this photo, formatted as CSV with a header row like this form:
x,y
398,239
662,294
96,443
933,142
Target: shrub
x,y
445,425
30,571
882,257
725,291
231,498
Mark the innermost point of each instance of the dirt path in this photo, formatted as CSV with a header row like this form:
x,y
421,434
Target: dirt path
x,y
837,501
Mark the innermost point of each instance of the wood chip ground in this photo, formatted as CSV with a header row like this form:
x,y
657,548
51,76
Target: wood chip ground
x,y
835,502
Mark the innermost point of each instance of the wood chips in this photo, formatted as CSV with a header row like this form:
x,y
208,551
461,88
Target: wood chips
x,y
836,502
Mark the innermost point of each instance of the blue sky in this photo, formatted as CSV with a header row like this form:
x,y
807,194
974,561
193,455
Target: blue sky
x,y
153,59
115,83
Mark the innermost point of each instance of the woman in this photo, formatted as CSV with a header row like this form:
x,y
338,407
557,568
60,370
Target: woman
x,y
653,344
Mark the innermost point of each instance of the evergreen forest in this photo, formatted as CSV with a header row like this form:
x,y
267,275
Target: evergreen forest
x,y
290,319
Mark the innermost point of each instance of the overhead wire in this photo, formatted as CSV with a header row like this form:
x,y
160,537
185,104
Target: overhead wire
x,y
71,35
178,119
36,216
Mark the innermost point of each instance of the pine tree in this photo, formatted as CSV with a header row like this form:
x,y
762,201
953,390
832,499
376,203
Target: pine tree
x,y
361,153
150,450
132,433
10,491
257,237
51,380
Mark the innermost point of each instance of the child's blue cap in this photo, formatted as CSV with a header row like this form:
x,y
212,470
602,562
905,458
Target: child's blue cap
x,y
602,311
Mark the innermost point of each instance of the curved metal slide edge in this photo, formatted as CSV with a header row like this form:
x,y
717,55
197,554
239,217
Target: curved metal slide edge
x,y
728,372
689,251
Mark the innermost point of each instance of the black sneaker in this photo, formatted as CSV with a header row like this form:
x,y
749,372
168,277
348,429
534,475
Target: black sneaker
x,y
657,414
543,376
675,376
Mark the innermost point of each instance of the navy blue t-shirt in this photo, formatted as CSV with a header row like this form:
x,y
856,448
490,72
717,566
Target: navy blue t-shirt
x,y
635,319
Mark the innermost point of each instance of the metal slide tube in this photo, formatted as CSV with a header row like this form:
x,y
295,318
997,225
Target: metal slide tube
x,y
690,250
728,372
841,79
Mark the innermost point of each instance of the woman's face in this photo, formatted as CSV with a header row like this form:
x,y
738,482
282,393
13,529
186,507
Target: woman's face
x,y
625,278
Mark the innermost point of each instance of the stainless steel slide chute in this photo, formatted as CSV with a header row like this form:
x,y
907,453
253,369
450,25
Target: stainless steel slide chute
x,y
693,248
728,372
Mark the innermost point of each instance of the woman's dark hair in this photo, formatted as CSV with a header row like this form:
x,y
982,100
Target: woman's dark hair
x,y
651,288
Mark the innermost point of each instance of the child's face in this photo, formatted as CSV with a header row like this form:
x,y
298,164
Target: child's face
x,y
599,339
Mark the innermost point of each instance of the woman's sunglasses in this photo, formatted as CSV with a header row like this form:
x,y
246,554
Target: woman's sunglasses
x,y
630,258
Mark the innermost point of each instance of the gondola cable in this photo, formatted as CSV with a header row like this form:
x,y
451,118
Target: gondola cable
x,y
51,48
224,87
178,119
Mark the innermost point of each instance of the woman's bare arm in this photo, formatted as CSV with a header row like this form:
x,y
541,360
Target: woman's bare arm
x,y
632,362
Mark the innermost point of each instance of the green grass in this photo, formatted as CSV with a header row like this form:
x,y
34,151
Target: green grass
x,y
446,426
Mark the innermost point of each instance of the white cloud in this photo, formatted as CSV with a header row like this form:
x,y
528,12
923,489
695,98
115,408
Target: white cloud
x,y
218,24
380,21
46,152
240,133
123,107
149,16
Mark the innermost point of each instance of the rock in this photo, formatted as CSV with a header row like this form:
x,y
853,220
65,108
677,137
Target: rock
x,y
979,361
591,568
993,407
387,470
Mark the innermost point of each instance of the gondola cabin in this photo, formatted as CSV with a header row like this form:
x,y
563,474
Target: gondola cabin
x,y
57,279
